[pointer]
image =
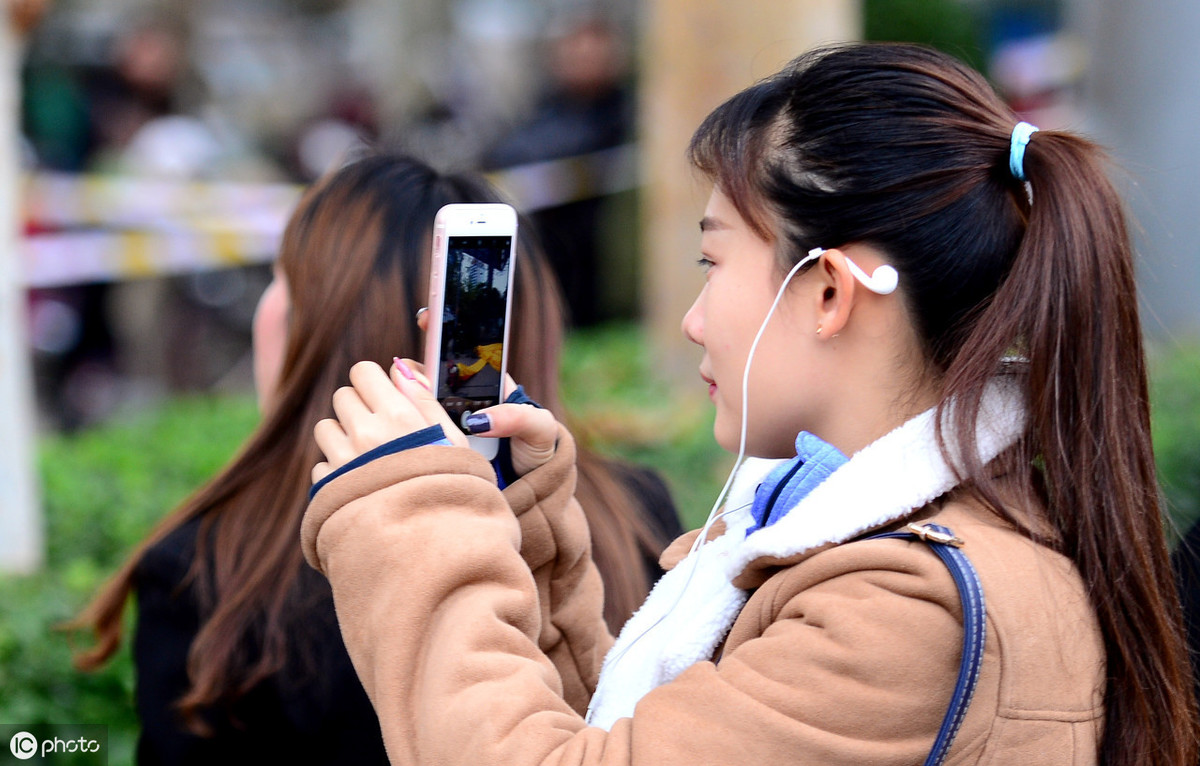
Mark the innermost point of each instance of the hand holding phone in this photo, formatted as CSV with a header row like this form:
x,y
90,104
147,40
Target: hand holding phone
x,y
470,302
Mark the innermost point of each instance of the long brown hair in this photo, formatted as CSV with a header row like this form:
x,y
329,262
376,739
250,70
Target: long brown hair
x,y
906,149
355,256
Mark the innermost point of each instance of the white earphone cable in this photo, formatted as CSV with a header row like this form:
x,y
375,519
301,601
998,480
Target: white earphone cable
x,y
713,515
741,455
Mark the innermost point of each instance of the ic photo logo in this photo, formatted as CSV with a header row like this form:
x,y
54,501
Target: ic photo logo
x,y
23,745
47,744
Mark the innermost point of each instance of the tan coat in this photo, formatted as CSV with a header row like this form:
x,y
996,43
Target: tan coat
x,y
474,621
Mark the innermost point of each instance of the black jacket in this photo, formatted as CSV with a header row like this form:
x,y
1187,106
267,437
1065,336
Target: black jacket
x,y
302,715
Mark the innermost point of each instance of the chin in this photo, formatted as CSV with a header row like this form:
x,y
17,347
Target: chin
x,y
730,447
727,438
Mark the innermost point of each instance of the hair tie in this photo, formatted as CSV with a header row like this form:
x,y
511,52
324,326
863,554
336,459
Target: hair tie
x,y
1016,153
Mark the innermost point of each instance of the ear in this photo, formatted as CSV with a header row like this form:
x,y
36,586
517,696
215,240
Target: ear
x,y
837,296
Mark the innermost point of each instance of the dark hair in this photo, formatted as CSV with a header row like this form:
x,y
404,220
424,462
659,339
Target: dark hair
x,y
355,254
906,149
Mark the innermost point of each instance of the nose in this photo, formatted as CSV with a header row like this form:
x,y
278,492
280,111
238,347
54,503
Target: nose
x,y
693,321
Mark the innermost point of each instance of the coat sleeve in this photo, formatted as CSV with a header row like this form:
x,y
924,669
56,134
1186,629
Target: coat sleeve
x,y
556,546
444,623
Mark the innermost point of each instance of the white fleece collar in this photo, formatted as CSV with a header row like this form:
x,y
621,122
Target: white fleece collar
x,y
885,481
692,607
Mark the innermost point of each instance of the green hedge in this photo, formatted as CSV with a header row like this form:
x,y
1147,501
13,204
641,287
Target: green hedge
x,y
102,491
1175,419
105,488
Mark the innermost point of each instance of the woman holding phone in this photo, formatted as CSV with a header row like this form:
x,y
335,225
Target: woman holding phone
x,y
921,311
236,648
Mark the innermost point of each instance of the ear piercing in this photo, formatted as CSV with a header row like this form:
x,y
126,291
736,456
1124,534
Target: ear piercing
x,y
818,329
421,311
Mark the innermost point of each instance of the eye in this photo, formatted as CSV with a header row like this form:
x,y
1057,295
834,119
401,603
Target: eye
x,y
705,263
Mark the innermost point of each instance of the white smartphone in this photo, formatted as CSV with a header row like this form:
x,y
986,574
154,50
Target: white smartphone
x,y
470,302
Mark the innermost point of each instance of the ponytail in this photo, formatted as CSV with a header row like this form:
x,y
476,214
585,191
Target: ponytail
x,y
1070,301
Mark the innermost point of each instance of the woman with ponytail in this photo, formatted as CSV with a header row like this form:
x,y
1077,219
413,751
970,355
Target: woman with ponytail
x,y
919,321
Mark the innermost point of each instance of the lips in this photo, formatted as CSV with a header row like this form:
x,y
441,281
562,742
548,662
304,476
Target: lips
x,y
712,386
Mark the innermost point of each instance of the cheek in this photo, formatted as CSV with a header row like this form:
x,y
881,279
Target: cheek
x,y
270,318
269,338
780,382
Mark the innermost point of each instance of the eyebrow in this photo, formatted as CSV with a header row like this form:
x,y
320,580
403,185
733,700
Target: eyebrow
x,y
708,223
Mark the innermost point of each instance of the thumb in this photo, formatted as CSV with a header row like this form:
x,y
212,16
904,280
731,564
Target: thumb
x,y
534,432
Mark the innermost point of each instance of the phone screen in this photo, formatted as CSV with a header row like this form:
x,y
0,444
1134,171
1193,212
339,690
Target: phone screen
x,y
472,352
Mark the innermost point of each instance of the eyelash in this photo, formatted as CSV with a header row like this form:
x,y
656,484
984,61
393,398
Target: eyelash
x,y
704,263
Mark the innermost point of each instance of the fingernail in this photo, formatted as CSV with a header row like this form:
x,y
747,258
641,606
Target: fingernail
x,y
477,422
404,369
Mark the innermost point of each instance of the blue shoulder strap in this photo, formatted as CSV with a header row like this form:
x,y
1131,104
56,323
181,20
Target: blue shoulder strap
x,y
947,547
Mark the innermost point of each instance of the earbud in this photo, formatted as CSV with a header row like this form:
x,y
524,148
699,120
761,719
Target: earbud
x,y
882,282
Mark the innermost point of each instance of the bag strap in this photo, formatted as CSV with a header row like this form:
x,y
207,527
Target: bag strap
x,y
947,547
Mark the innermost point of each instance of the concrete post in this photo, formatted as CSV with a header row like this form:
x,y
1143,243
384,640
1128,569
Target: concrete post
x,y
21,534
1143,102
696,54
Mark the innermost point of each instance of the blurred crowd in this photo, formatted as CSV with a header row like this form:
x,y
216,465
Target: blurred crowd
x,y
262,93
280,93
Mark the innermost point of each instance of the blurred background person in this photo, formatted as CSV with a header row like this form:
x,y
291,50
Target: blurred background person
x,y
141,111
237,650
588,105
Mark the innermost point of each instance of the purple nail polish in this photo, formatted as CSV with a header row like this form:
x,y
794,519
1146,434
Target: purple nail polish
x,y
477,423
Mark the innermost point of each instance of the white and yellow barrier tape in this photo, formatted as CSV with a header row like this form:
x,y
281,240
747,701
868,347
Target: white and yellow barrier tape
x,y
104,229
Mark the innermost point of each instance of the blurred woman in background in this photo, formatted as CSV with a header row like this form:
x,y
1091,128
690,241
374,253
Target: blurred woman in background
x,y
237,648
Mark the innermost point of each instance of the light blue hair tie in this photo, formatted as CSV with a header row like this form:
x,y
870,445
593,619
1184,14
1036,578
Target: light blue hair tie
x,y
1016,153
